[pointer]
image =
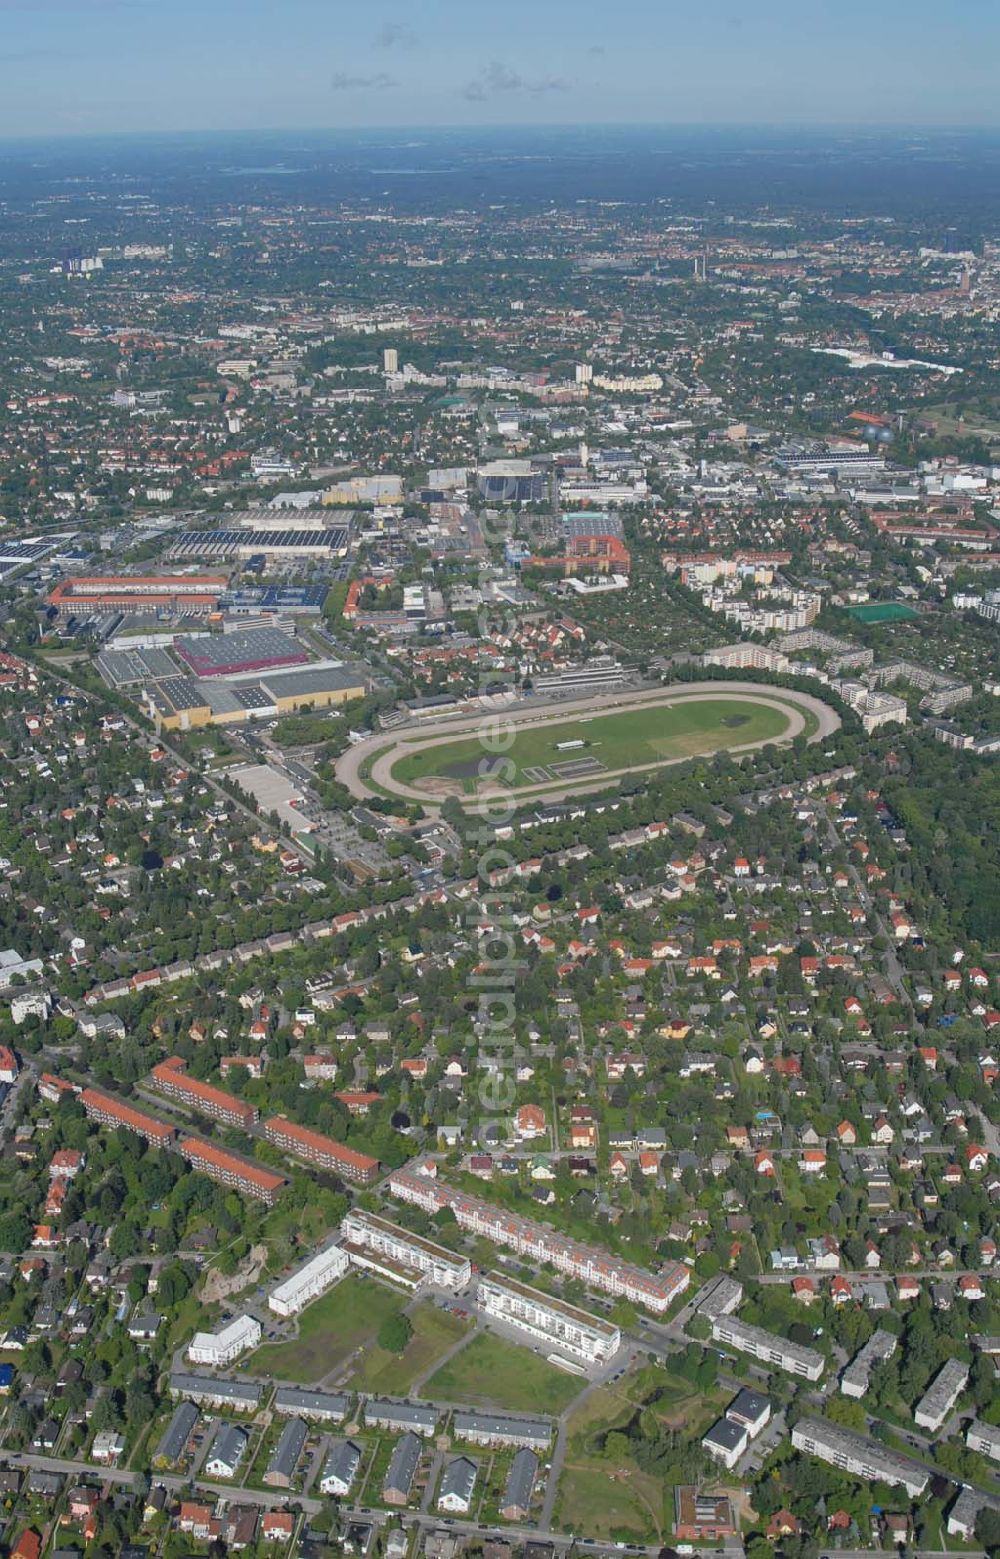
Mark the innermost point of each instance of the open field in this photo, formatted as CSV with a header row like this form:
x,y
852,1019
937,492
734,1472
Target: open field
x,y
493,1373
434,1332
330,1329
566,748
614,1498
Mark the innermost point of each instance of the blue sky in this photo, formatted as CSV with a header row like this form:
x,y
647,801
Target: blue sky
x,y
87,66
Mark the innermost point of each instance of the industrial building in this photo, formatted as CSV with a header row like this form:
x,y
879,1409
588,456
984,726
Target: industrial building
x,y
939,1399
768,1347
248,542
310,1280
229,654
317,1149
592,1266
404,1257
177,594
188,703
550,1321
859,1456
221,1348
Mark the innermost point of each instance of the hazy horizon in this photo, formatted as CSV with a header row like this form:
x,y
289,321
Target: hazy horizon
x,y
72,67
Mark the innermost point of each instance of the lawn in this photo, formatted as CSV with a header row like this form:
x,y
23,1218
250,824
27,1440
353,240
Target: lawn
x,y
603,1503
330,1329
493,1373
632,738
881,612
434,1332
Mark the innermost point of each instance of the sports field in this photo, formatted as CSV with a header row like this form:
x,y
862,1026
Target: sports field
x,y
881,612
571,748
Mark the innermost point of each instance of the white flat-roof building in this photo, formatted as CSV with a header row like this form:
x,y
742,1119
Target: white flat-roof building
x,y
550,1321
221,1348
313,1278
768,1347
983,1438
941,1395
859,1456
880,1346
406,1258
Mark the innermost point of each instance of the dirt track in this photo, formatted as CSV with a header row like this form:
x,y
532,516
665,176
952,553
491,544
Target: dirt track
x,y
393,744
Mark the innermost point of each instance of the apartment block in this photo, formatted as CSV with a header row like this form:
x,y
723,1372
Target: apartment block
x,y
594,1267
384,1247
172,1078
939,1399
550,1321
220,1348
859,1456
768,1347
310,1280
320,1150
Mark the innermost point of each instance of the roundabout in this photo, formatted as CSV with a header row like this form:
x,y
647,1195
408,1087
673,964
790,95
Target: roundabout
x,y
548,751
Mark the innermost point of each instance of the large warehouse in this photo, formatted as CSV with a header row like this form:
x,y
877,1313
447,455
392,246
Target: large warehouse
x,y
90,595
229,654
247,543
183,703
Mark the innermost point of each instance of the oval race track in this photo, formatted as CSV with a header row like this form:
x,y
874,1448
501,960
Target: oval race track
x,y
378,755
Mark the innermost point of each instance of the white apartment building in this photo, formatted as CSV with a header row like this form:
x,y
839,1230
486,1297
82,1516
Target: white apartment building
x,y
406,1258
983,1438
768,1347
880,1346
313,1278
939,1399
221,1348
548,1320
857,1455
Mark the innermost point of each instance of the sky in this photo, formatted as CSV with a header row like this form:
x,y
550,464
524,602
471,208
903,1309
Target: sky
x,y
70,67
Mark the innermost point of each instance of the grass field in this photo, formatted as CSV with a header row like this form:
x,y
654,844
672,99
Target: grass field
x,y
434,1332
629,739
494,1373
330,1330
882,612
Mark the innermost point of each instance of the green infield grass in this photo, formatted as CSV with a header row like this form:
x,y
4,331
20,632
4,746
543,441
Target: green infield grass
x,y
567,748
